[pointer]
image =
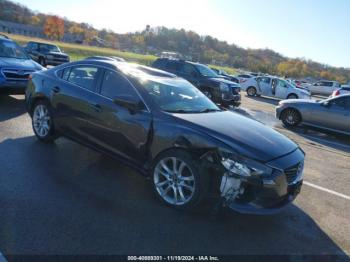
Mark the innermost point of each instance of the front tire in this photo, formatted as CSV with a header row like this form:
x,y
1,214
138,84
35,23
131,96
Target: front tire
x,y
178,179
291,117
251,91
42,122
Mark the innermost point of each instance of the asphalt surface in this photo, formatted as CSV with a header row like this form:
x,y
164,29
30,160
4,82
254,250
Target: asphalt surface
x,y
67,199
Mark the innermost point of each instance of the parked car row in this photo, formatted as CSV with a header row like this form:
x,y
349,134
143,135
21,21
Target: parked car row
x,y
165,121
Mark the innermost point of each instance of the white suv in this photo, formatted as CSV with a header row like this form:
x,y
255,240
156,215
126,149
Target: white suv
x,y
324,87
274,87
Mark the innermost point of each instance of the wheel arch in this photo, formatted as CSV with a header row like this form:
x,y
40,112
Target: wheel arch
x,y
292,94
36,99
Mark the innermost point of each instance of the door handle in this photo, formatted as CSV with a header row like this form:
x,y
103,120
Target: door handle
x,y
56,89
96,107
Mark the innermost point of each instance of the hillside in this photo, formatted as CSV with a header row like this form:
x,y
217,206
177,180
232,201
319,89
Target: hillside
x,y
152,41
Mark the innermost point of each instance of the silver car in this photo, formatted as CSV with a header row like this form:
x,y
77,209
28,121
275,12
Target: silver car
x,y
332,114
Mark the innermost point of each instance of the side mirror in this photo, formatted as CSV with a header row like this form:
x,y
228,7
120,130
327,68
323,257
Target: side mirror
x,y
129,103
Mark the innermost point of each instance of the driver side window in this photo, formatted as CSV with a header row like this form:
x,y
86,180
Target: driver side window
x,y
114,85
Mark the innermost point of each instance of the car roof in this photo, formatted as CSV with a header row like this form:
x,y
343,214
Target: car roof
x,y
41,43
121,66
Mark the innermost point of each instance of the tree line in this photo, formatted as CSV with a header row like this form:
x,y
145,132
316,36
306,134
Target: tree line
x,y
153,40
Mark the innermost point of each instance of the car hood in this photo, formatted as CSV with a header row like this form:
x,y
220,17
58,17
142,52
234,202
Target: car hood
x,y
245,136
21,64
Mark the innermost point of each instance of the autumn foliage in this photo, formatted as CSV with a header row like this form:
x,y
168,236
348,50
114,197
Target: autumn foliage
x,y
54,27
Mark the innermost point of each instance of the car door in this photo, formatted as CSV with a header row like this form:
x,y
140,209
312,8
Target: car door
x,y
33,51
72,99
115,128
281,89
315,88
264,86
332,115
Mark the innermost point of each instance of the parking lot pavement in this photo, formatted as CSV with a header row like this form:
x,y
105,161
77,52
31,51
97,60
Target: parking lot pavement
x,y
67,199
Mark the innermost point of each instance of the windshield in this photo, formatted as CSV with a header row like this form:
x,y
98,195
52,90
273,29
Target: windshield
x,y
206,71
11,50
178,96
49,48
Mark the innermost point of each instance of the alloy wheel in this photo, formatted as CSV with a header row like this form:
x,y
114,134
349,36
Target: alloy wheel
x,y
41,120
174,181
291,117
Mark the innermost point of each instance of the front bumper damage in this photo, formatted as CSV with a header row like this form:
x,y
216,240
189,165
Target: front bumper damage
x,y
265,194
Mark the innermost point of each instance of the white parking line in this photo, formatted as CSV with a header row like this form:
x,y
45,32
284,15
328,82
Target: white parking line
x,y
2,258
326,190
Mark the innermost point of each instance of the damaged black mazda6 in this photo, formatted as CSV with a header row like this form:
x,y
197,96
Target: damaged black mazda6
x,y
171,132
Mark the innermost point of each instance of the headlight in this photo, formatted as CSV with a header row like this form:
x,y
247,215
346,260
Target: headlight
x,y
244,167
224,87
49,56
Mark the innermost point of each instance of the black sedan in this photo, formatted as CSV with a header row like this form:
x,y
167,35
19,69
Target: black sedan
x,y
170,131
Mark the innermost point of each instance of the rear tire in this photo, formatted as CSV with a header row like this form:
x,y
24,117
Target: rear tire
x,y
42,122
251,91
291,117
178,179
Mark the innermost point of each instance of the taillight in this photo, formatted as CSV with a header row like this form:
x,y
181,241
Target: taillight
x,y
336,93
242,80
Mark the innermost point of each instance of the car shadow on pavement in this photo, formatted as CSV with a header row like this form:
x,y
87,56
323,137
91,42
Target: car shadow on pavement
x,y
263,99
11,107
323,138
67,199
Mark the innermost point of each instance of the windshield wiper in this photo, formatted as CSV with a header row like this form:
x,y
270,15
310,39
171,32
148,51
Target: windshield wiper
x,y
181,111
208,110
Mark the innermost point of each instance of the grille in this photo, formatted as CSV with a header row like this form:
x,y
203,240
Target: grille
x,y
293,172
235,90
13,74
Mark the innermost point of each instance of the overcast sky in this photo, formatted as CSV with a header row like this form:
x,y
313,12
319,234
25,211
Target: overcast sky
x,y
314,29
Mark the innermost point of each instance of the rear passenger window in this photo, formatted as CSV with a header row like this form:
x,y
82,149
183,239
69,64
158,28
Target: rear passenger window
x,y
64,73
173,66
114,85
83,76
188,69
